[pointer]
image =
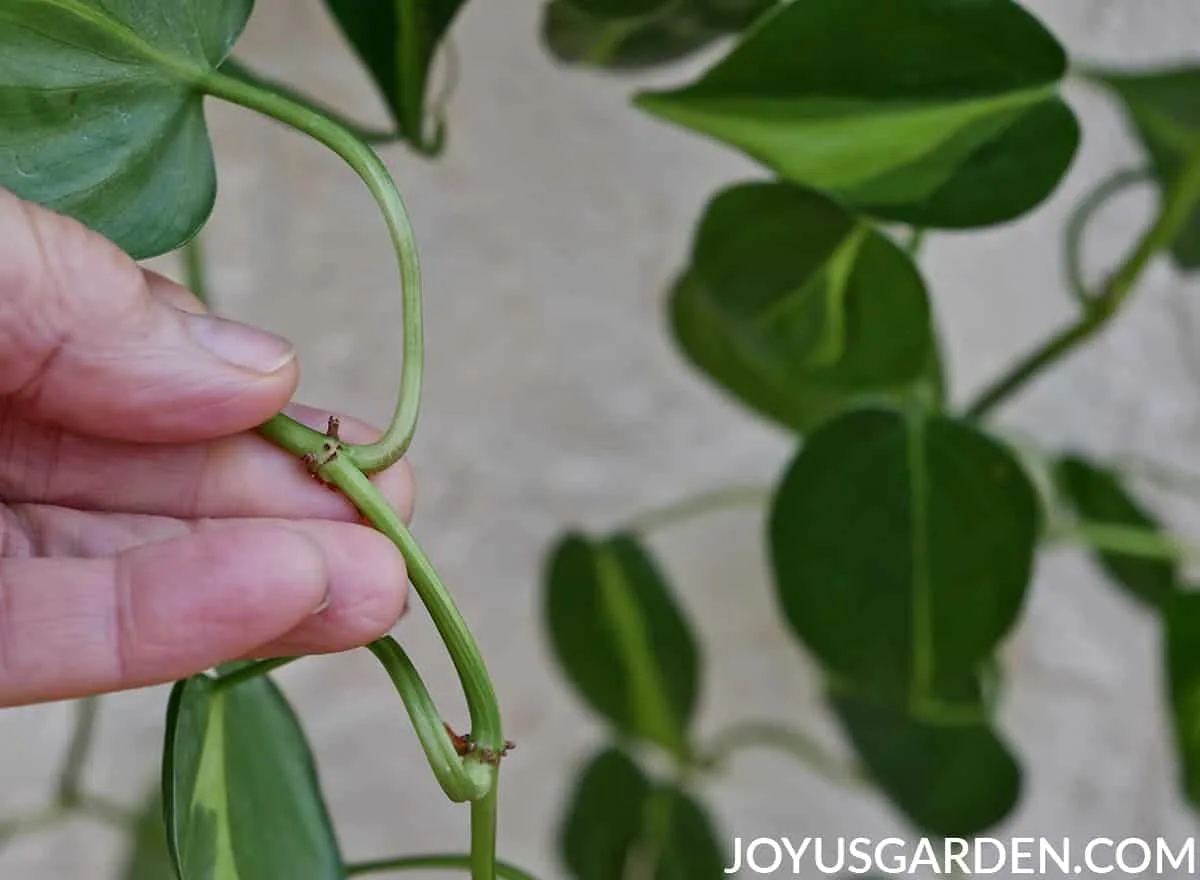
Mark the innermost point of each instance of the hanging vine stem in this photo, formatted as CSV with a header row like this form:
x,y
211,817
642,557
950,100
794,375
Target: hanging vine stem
x,y
347,467
1077,224
389,448
1177,204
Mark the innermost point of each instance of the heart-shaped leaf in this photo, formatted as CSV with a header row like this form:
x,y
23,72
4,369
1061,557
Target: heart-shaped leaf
x,y
902,546
676,30
1099,499
606,818
1164,109
243,801
100,116
1181,619
621,639
951,778
397,41
798,310
937,113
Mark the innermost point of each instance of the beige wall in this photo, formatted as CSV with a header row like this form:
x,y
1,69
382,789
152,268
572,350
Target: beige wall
x,y
548,232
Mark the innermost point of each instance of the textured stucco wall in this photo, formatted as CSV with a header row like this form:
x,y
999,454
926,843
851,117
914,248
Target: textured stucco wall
x,y
548,232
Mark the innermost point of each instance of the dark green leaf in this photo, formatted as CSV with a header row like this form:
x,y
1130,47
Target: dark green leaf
x,y
937,113
951,778
902,546
397,41
1099,499
684,839
149,858
797,309
606,818
1181,618
100,116
242,795
621,638
1164,109
575,37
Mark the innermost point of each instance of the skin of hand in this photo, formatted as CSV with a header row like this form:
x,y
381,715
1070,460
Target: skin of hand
x,y
146,533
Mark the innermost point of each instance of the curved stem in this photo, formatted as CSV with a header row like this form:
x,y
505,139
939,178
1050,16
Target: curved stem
x,y
1177,205
238,70
435,862
697,505
395,441
798,745
453,774
1111,186
464,652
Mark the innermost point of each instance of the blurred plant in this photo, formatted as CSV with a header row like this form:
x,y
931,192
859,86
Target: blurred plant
x,y
903,532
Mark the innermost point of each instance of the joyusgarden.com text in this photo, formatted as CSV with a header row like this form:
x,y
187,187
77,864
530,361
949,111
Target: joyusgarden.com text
x,y
982,856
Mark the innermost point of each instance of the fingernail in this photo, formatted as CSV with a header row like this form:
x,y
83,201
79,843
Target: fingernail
x,y
241,345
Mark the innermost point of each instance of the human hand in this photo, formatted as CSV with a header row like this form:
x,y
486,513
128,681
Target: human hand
x,y
145,533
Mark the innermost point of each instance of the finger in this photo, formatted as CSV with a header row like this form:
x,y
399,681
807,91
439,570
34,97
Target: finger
x,y
84,345
241,475
163,611
173,294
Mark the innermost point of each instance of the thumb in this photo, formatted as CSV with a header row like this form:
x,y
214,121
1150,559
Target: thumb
x,y
85,345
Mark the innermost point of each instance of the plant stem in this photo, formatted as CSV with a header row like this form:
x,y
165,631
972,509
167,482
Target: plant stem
x,y
236,69
389,448
1112,185
460,781
251,671
772,735
195,274
1129,541
697,505
77,751
431,862
1177,204
484,819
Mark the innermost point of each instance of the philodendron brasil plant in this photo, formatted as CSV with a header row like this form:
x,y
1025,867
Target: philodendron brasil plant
x,y
102,108
902,534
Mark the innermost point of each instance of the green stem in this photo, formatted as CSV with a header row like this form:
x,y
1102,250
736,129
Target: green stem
x,y
234,68
77,752
389,448
1077,224
464,652
251,671
696,506
484,819
1128,541
195,274
1177,205
444,862
794,743
459,780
